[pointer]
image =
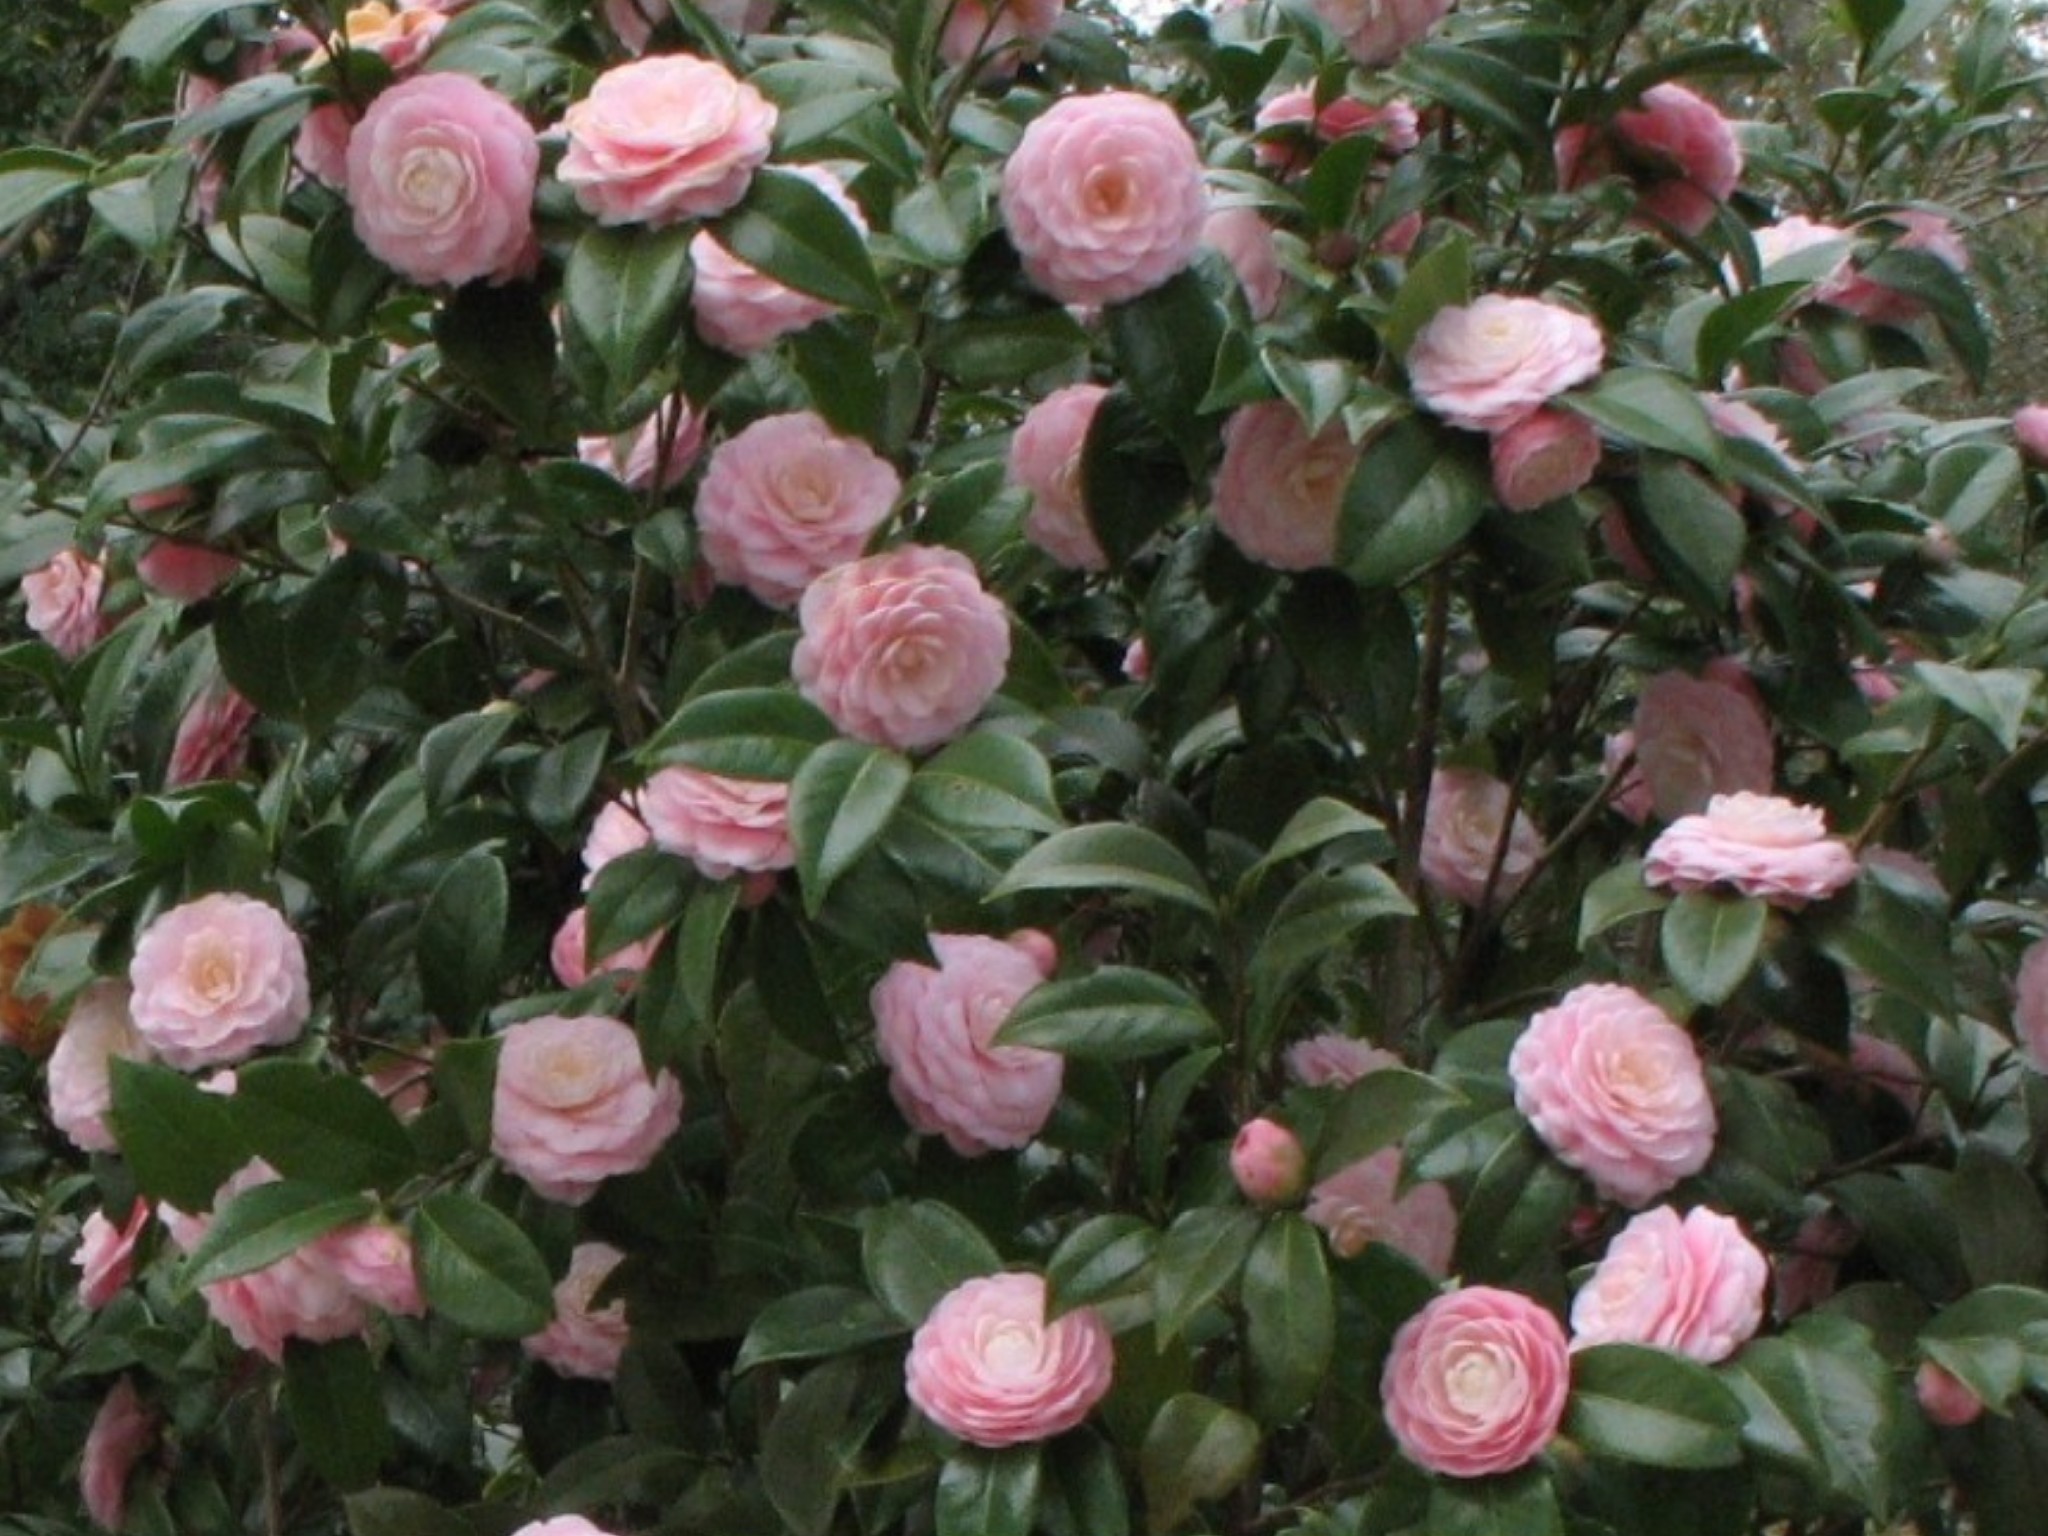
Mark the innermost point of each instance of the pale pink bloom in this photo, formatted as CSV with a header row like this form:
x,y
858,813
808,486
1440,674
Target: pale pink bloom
x,y
643,458
1045,459
721,825
1616,1090
1379,31
122,1433
1944,1397
400,37
1676,145
569,954
561,1525
441,173
742,310
665,139
1796,233
617,831
2030,431
1364,1203
374,1259
634,21
583,1340
217,979
2029,1006
1759,844
1246,241
98,1030
1547,455
934,1030
1461,832
1336,1061
1104,197
786,500
213,737
986,1367
1395,123
573,1105
1698,737
1694,1284
1268,1162
1931,233
63,603
1485,365
901,649
1279,491
1803,1274
1476,1382
185,573
1137,661
1004,33
106,1255
1733,417
1631,796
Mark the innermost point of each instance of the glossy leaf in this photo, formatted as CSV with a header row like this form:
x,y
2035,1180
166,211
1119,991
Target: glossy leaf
x,y
839,805
1711,942
1114,1014
1652,1406
263,1224
915,1252
1109,856
479,1270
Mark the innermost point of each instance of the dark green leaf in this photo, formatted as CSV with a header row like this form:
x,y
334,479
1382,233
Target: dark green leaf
x,y
499,340
634,895
1653,408
1523,1503
462,938
825,1320
914,1252
322,1128
1377,1111
1116,1014
1710,942
1616,896
988,1493
155,32
744,733
1109,856
1691,533
454,752
1820,1401
795,234
259,1226
1166,343
337,1410
1195,1449
1104,1256
181,1143
1481,87
1413,497
1290,1317
2000,1221
1652,1406
32,179
1986,1340
1132,478
479,1270
988,780
839,804
1198,1258
622,296
401,1512
1438,280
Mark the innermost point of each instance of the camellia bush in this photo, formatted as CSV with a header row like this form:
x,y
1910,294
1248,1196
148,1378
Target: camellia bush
x,y
888,766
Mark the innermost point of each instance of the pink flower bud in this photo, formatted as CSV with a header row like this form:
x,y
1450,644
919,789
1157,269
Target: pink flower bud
x,y
1268,1163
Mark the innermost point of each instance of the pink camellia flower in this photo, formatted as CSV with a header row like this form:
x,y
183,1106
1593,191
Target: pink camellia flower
x,y
1395,124
2029,1008
740,309
788,499
1544,457
1364,1203
665,139
1616,1090
1796,233
1461,833
1336,1061
216,979
569,954
1279,491
441,173
987,1367
374,1259
1377,32
1476,1382
1045,459
1880,304
1944,1397
122,1433
1675,144
1137,663
1104,197
934,1028
1759,844
721,825
1268,1162
617,831
1485,365
63,603
399,37
561,1525
106,1255
185,573
1697,737
573,1105
657,453
213,737
321,145
1246,241
1694,1284
2030,431
98,1030
1002,33
584,1340
901,649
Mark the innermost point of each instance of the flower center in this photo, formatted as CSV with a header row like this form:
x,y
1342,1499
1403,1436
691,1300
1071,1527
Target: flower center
x,y
432,180
214,969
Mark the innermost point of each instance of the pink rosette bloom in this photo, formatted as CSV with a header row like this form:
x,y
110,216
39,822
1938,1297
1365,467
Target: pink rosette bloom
x,y
1104,197
2030,431
441,173
639,459
399,37
617,831
2029,1007
1245,240
1004,34
321,145
1335,1061
1544,457
1694,1284
901,649
665,139
1944,1397
569,954
1364,1203
213,737
81,1093
1476,1382
987,1367
185,573
217,979
934,1028
1378,32
375,1260
1278,490
63,603
122,1433
721,825
1396,125
583,1340
1616,1090
1045,459
1759,844
106,1255
1461,831
1676,145
788,499
561,1525
1698,737
573,1105
1485,365
1268,1162
740,309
